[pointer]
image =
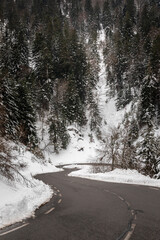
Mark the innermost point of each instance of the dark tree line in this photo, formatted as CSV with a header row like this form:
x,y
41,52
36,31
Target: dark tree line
x,y
45,66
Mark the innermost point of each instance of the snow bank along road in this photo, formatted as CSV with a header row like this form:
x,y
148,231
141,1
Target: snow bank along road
x,y
92,210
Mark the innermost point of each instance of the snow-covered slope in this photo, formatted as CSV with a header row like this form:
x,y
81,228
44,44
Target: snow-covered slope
x,y
20,198
118,175
107,106
19,201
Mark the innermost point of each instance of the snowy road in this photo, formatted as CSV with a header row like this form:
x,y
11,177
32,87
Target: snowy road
x,y
92,210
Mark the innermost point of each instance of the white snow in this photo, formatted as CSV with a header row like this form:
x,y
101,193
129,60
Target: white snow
x,y
112,116
72,166
101,88
19,201
20,198
107,106
118,176
80,149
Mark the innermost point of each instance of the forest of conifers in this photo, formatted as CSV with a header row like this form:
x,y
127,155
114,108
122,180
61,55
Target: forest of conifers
x,y
46,67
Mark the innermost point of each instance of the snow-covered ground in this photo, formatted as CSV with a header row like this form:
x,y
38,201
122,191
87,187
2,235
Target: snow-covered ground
x,y
107,106
20,198
80,149
19,201
118,176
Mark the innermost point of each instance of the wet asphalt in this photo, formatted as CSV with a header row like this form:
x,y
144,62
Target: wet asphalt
x,y
92,210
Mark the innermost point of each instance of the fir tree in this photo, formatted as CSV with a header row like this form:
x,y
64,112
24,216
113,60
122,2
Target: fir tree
x,y
155,55
149,152
43,69
58,135
148,99
26,118
89,10
106,15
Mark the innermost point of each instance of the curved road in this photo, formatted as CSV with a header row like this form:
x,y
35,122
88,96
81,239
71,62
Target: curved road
x,y
92,210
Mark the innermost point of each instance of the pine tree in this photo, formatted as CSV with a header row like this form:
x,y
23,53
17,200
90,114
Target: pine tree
x,y
145,21
75,101
19,54
14,74
149,152
11,113
58,134
76,10
89,10
43,69
149,99
26,117
106,15
155,55
97,16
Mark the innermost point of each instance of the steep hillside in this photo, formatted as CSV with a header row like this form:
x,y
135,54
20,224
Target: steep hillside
x,y
79,82
90,65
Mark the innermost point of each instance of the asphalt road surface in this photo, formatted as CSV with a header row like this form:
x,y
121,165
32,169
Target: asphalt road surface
x,y
92,210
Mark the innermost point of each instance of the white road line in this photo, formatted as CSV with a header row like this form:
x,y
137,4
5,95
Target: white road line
x,y
49,211
106,190
128,204
154,188
60,200
114,193
129,234
5,233
121,198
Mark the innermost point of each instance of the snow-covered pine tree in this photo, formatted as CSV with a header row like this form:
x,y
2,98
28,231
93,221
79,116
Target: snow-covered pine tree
x,y
149,94
58,134
14,74
148,153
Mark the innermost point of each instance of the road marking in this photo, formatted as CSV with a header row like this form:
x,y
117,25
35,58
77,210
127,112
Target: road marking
x,y
114,193
129,234
49,211
106,190
154,188
121,198
60,200
133,225
128,204
5,233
